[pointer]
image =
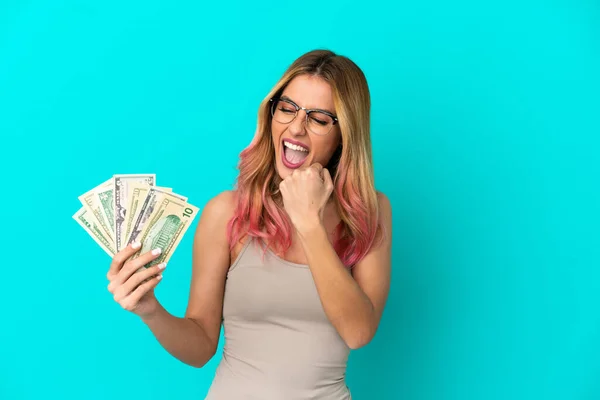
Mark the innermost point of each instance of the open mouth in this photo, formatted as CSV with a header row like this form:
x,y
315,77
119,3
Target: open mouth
x,y
293,153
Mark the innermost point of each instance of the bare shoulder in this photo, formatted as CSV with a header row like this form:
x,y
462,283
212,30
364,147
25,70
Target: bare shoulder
x,y
216,213
385,207
221,207
211,246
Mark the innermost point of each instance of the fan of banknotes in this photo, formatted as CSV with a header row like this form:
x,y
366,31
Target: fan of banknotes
x,y
130,207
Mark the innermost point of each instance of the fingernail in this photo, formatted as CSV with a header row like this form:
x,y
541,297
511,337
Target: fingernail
x,y
156,251
136,244
159,277
162,265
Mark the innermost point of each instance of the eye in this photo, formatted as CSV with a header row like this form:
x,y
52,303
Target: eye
x,y
320,118
287,110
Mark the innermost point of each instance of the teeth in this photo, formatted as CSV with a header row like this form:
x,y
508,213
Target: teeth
x,y
294,147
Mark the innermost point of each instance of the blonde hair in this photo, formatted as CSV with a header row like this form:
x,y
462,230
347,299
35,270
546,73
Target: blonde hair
x,y
259,210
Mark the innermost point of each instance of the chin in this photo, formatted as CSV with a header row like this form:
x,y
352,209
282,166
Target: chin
x,y
282,171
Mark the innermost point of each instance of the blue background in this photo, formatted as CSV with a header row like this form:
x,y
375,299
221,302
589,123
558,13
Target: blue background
x,y
485,127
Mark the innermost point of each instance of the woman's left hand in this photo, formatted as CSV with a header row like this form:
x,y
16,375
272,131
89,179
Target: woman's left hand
x,y
305,193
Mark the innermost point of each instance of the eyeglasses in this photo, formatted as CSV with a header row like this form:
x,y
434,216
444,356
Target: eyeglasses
x,y
318,122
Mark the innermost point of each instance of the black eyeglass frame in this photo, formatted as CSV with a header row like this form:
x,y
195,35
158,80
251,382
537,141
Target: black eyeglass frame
x,y
274,100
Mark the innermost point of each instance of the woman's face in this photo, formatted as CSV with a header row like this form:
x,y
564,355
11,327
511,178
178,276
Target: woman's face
x,y
296,146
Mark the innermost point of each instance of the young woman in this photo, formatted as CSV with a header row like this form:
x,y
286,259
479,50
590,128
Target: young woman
x,y
295,262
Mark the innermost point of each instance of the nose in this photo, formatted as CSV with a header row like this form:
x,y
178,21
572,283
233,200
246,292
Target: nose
x,y
298,126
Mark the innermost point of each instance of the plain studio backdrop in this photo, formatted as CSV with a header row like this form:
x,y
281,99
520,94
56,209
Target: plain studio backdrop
x,y
485,130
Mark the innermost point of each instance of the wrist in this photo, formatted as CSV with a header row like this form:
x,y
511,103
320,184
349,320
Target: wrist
x,y
151,315
310,227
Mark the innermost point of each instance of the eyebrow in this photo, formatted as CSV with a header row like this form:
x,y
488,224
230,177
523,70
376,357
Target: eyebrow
x,y
318,109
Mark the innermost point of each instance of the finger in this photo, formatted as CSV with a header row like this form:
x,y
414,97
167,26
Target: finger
x,y
138,278
120,258
133,299
123,290
133,265
318,167
327,179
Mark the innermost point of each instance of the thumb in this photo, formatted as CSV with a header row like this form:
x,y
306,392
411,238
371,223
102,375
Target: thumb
x,y
327,179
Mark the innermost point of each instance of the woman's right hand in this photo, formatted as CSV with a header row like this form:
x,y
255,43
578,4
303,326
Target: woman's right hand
x,y
134,291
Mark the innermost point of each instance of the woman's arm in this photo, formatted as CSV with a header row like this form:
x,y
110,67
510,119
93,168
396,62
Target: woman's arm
x,y
354,301
193,339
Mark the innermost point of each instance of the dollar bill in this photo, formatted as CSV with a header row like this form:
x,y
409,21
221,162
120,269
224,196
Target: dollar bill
x,y
136,196
121,184
154,196
129,207
165,226
90,224
105,198
90,203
